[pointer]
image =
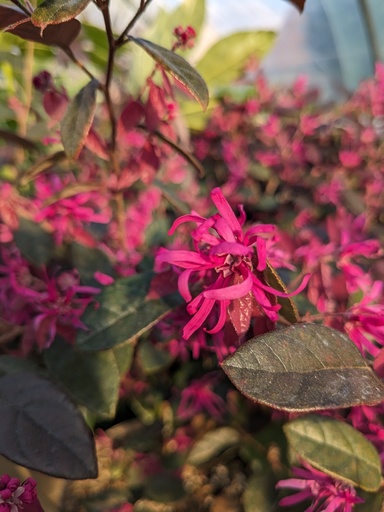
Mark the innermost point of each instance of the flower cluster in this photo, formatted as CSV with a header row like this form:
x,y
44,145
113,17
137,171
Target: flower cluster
x,y
16,496
326,494
40,304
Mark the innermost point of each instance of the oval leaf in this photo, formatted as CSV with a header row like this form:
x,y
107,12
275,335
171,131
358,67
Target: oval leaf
x,y
123,313
62,35
179,68
302,368
337,449
212,445
78,119
41,429
92,379
54,12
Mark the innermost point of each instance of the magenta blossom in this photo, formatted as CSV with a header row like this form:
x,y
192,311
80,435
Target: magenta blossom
x,y
325,492
15,496
198,397
230,263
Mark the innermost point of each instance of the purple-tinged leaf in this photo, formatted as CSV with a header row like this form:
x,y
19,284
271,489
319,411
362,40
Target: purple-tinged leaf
x,y
336,448
78,119
41,429
179,68
62,35
304,367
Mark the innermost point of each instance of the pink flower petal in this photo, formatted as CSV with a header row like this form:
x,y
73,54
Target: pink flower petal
x,y
226,211
198,319
185,218
235,291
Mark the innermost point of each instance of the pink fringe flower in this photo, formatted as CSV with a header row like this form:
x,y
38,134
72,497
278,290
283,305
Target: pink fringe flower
x,y
325,492
230,262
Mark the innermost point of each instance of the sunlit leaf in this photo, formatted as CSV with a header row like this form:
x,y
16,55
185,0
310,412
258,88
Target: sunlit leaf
x,y
179,68
53,12
62,35
303,367
336,448
224,61
78,119
41,429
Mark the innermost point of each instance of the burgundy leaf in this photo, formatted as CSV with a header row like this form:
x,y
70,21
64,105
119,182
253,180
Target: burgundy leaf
x,y
62,35
302,368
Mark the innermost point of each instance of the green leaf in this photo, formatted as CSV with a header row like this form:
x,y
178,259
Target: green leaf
x,y
91,378
123,313
224,61
78,119
373,502
259,495
337,449
161,31
34,243
88,260
53,12
152,359
288,308
179,68
302,368
212,445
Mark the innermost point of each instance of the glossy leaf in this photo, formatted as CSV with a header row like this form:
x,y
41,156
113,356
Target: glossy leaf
x,y
92,379
288,308
62,35
41,429
123,313
336,448
212,445
35,244
302,368
78,119
53,12
179,68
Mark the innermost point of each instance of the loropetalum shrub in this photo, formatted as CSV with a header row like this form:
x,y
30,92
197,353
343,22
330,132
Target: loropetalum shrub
x,y
142,265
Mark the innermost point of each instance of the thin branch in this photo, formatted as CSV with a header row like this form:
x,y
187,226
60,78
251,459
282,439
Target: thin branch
x,y
185,154
68,51
143,5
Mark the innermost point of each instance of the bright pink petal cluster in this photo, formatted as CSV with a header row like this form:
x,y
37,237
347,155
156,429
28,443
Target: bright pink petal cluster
x,y
199,396
230,263
15,496
325,493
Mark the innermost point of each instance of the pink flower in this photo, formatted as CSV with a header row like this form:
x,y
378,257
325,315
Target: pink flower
x,y
365,321
198,397
229,262
325,492
15,496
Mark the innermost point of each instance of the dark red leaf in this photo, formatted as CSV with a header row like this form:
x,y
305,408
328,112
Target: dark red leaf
x,y
298,3
130,117
62,35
